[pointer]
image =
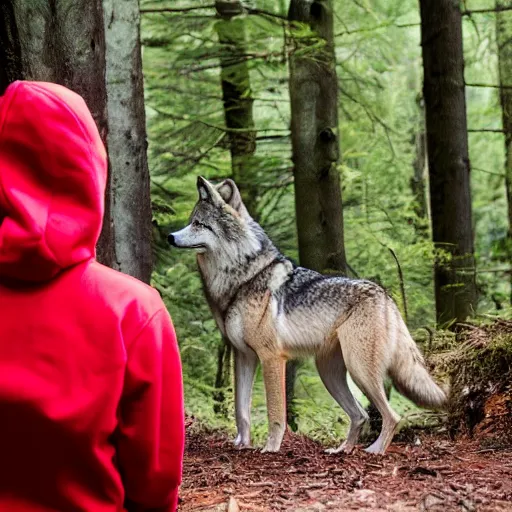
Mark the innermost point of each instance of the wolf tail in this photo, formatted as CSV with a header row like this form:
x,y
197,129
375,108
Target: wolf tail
x,y
410,376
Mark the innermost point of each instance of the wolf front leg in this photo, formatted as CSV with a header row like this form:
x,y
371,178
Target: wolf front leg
x,y
274,378
245,367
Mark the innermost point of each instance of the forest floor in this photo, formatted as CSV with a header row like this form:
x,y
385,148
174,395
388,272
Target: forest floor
x,y
430,472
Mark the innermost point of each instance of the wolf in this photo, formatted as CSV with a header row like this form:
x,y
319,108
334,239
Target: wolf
x,y
271,310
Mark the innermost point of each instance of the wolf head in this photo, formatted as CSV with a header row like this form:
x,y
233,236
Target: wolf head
x,y
220,223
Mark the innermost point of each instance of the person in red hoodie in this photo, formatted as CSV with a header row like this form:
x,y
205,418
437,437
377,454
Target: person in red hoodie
x,y
91,400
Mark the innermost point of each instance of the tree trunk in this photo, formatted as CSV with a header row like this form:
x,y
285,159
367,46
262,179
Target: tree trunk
x,y
129,183
238,101
418,180
315,140
504,43
315,147
447,141
222,378
10,48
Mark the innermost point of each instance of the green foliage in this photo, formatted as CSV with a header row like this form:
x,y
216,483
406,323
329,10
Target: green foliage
x,y
379,71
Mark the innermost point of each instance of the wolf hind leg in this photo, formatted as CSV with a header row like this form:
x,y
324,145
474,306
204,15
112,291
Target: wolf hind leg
x,y
333,373
274,378
367,367
245,368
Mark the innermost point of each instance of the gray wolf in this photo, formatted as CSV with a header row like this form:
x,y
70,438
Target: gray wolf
x,y
271,310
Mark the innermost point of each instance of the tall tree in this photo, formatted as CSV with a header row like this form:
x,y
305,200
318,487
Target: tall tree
x,y
504,43
315,146
238,102
447,142
237,99
129,183
315,139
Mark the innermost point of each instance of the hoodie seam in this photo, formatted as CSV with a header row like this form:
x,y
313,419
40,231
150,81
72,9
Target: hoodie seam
x,y
141,331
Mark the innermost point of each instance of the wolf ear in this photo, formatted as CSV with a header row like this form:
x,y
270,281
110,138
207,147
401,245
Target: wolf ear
x,y
207,191
231,195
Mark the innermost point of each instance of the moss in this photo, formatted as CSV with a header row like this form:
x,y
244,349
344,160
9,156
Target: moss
x,y
480,370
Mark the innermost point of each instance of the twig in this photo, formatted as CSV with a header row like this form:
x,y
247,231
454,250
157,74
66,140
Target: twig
x,y
401,278
496,9
261,484
488,172
485,130
176,9
491,86
377,27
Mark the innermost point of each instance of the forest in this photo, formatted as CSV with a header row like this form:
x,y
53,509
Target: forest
x,y
370,139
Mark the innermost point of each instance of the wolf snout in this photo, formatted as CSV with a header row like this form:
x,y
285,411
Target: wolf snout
x,y
171,240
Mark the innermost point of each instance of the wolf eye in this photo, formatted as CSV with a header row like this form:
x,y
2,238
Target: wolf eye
x,y
197,224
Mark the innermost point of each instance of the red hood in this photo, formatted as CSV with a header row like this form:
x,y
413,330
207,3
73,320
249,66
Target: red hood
x,y
53,169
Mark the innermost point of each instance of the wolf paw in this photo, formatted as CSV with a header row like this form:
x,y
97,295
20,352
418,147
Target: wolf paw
x,y
375,448
241,443
343,448
271,448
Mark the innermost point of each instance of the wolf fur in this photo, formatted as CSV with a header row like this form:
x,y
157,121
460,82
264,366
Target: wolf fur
x,y
271,310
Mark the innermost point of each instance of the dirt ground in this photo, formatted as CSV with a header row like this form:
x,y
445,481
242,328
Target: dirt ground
x,y
427,473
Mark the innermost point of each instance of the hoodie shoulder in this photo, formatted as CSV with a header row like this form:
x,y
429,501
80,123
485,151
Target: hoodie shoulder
x,y
110,292
115,284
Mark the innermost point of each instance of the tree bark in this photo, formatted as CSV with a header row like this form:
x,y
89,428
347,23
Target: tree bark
x,y
10,49
504,43
418,180
238,101
315,139
315,147
449,168
129,183
238,115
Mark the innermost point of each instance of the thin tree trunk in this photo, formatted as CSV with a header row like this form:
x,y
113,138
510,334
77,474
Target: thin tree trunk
x,y
418,180
222,378
504,43
129,187
238,101
315,139
447,141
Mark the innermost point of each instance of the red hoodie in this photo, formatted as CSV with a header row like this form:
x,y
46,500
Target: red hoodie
x,y
91,401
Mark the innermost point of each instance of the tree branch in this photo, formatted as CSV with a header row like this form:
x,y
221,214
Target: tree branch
x,y
491,86
376,27
402,286
176,9
485,130
179,10
498,8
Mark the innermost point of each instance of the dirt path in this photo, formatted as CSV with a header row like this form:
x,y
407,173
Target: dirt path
x,y
436,475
